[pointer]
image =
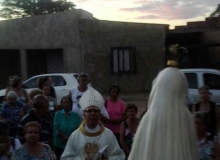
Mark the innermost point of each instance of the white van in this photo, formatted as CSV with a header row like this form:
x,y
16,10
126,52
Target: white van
x,y
62,83
200,77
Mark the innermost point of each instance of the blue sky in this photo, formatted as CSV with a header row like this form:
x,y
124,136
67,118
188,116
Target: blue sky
x,y
172,12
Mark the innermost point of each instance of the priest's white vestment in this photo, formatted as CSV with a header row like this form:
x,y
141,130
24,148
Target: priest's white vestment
x,y
76,145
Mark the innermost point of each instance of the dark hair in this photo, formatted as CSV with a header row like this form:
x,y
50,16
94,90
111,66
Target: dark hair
x,y
114,86
131,106
67,97
35,92
40,83
206,88
39,100
83,74
4,127
31,124
45,78
15,80
203,116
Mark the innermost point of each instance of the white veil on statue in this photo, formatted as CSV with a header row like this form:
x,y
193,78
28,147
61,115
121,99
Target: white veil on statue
x,y
166,131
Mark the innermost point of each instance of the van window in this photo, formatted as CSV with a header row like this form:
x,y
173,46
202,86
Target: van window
x,y
212,80
192,80
58,81
31,83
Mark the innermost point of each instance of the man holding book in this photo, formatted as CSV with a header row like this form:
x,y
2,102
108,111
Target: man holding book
x,y
92,141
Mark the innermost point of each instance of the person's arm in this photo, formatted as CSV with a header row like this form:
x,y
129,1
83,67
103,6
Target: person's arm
x,y
61,135
114,151
104,115
104,112
217,117
193,108
122,139
70,95
56,130
70,151
26,96
17,143
6,92
55,95
55,105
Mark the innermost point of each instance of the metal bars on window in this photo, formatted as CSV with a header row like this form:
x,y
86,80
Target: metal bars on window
x,y
122,59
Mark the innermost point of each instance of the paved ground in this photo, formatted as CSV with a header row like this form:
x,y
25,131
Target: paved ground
x,y
140,99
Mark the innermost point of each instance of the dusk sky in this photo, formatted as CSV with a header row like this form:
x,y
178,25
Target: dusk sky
x,y
172,12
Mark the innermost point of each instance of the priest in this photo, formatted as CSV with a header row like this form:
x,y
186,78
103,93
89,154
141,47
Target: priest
x,y
92,141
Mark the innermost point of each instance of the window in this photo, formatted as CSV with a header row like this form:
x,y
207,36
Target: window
x,y
122,59
192,80
31,83
212,80
58,81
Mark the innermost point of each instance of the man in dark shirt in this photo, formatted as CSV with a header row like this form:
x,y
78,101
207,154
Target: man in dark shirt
x,y
40,115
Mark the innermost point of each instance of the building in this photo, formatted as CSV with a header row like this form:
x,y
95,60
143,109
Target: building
x,y
129,54
202,39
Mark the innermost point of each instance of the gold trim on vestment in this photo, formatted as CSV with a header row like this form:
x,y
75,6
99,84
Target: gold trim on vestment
x,y
172,63
82,129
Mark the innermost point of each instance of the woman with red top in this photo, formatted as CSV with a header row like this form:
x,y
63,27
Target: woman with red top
x,y
116,111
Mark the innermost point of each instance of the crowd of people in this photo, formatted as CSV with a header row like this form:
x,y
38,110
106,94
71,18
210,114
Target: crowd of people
x,y
88,127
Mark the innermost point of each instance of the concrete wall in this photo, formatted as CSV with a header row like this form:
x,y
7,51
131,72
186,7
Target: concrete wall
x,y
99,36
202,39
52,31
86,44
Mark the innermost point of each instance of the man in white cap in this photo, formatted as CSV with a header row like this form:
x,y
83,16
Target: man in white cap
x,y
92,141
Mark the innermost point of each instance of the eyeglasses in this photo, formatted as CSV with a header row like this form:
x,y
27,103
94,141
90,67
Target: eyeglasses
x,y
90,111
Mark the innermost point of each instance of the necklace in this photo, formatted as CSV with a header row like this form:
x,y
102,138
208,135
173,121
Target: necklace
x,y
91,148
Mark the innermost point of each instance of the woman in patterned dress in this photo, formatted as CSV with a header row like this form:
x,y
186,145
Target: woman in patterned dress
x,y
33,149
208,147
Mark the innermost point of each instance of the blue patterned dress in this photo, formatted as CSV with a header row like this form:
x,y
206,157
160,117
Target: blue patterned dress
x,y
45,154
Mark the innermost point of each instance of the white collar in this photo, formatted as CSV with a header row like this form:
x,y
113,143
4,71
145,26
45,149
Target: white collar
x,y
93,130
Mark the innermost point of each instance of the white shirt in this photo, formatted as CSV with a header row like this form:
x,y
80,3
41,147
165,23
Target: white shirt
x,y
74,149
76,95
